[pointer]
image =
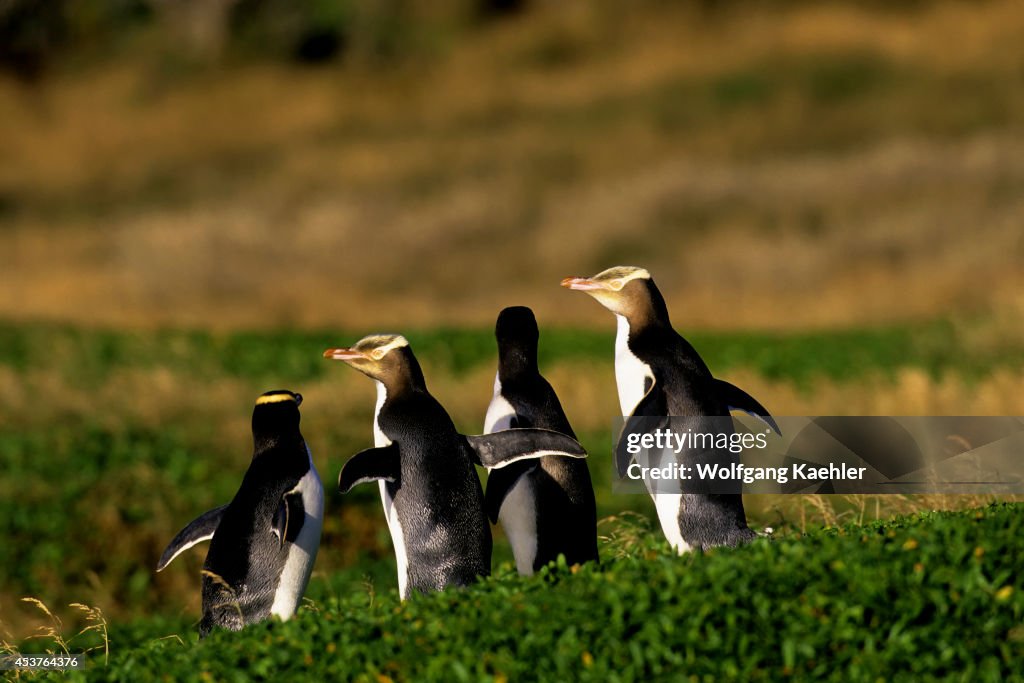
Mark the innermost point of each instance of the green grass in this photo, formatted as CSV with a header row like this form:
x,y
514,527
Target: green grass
x,y
87,356
89,495
933,596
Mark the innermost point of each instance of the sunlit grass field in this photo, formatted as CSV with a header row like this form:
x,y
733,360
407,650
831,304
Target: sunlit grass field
x,y
784,165
111,440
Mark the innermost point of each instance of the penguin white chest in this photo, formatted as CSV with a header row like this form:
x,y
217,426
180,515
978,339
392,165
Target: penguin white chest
x,y
500,412
518,517
518,513
302,553
631,373
667,505
380,439
397,540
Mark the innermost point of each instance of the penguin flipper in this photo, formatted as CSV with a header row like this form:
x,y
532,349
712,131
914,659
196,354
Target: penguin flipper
x,y
737,399
500,482
511,445
289,517
198,530
372,464
654,408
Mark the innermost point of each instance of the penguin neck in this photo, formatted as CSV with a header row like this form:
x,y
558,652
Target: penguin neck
x,y
264,442
658,309
631,327
647,312
516,361
408,378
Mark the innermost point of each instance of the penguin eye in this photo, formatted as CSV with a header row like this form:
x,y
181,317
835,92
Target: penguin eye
x,y
616,285
377,354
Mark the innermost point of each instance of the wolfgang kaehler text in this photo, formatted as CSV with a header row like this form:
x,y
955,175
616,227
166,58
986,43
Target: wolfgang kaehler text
x,y
745,473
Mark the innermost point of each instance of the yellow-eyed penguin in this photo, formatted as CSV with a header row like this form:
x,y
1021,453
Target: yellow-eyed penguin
x,y
659,374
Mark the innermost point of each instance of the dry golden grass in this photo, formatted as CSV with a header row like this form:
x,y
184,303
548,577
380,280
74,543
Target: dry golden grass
x,y
91,636
579,137
342,401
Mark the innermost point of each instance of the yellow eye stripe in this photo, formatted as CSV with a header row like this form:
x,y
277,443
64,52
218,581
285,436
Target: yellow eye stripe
x,y
387,343
622,274
274,398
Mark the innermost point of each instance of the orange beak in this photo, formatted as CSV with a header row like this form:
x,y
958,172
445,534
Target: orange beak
x,y
581,284
343,354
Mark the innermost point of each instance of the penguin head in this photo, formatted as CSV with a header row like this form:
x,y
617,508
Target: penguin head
x,y
625,290
516,326
386,358
275,417
517,335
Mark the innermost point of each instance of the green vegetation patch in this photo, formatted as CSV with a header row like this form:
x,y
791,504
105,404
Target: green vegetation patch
x,y
937,595
121,487
84,501
87,356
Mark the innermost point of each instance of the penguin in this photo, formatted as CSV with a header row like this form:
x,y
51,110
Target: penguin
x,y
546,505
264,542
659,374
433,502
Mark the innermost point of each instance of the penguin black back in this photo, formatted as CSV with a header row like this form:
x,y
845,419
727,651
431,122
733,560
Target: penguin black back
x,y
264,542
245,561
546,506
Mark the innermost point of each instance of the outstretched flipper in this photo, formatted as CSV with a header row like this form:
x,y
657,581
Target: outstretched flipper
x,y
512,445
737,399
653,409
198,530
500,482
373,464
289,517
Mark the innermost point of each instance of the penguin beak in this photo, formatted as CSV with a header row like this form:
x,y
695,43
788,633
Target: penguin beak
x,y
344,354
581,284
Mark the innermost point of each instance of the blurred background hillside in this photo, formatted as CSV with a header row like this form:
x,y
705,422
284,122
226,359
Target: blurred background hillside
x,y
198,196
393,163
